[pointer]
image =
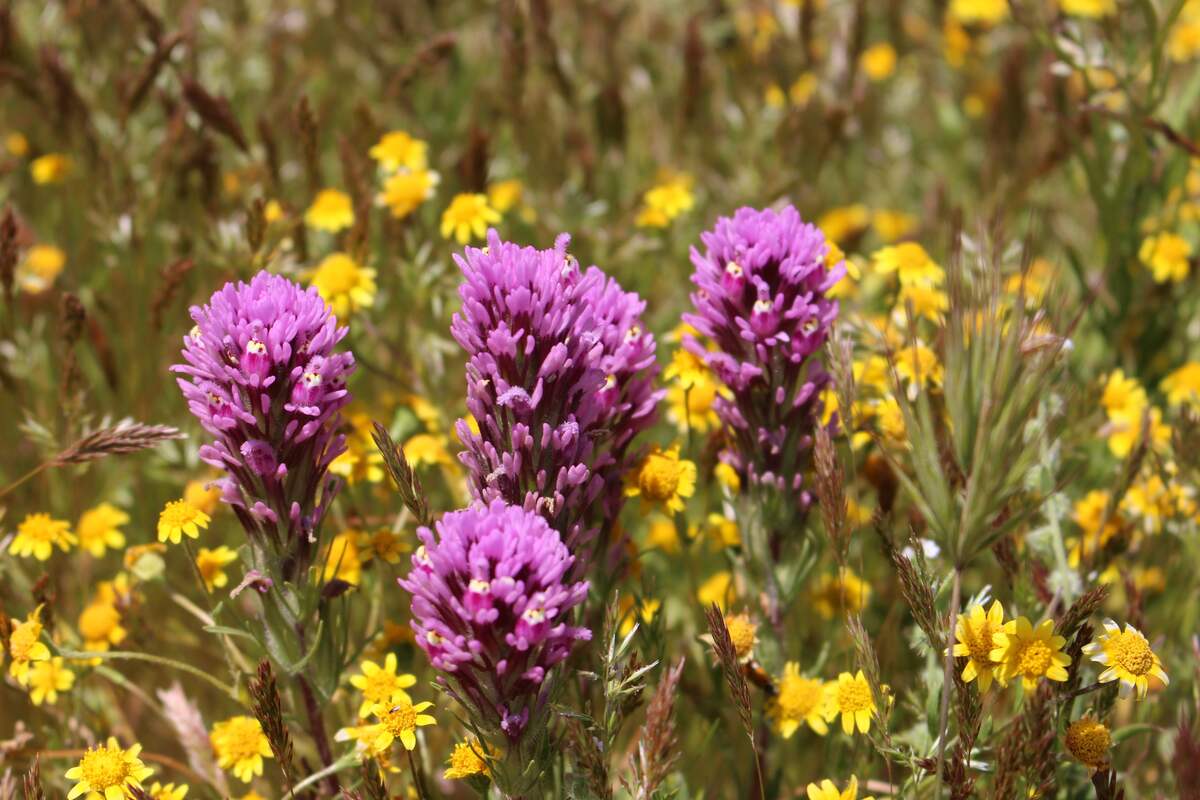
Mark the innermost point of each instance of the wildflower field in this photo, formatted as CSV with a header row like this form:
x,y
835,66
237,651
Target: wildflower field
x,y
599,399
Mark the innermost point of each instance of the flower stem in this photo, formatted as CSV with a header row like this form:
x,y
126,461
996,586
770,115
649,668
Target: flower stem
x,y
948,677
316,725
82,655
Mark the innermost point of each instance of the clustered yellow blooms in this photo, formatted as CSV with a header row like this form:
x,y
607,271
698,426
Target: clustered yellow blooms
x,y
468,217
344,284
802,700
843,594
1003,651
241,746
1126,406
663,479
1182,386
39,534
381,685
180,518
692,392
666,200
1167,257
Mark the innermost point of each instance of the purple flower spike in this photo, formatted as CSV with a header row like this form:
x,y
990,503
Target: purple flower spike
x,y
491,605
761,299
261,375
560,379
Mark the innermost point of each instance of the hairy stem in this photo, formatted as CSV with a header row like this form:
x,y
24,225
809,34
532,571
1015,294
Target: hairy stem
x,y
948,677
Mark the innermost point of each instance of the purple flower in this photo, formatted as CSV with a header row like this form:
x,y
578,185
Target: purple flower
x,y
491,605
262,377
560,380
761,299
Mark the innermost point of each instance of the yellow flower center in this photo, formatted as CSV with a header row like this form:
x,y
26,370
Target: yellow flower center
x,y
798,696
400,718
380,687
1088,740
338,274
741,632
41,528
1130,652
179,513
853,695
1034,658
659,479
979,642
97,621
23,638
104,767
464,761
241,739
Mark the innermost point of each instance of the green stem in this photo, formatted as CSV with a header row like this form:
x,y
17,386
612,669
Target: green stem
x,y
83,655
345,762
31,474
948,678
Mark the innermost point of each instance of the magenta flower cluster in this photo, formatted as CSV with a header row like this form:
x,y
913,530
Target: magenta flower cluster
x,y
761,300
262,376
491,605
560,379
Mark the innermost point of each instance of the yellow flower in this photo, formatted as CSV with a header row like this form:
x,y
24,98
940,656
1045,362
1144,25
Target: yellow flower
x,y
1029,653
828,791
974,631
98,529
1089,741
878,61
1183,385
100,626
728,477
984,12
1123,395
398,149
503,195
202,496
1093,9
1127,657
773,97
387,545
273,211
718,589
16,144
802,89
107,772
427,449
722,531
381,685
241,746
1166,255
911,264
467,217
743,632
43,263
916,361
1183,44
799,700
843,223
25,645
893,226
851,697
665,201
46,679
135,553
342,560
468,758
663,479
179,517
844,593
38,535
404,192
662,535
926,301
168,791
50,168
331,210
400,722
1036,280
344,284
694,405
211,565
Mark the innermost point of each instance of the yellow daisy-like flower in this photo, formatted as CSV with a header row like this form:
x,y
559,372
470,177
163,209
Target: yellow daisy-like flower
x,y
468,217
45,679
344,284
665,201
342,560
636,611
975,631
844,593
43,263
25,645
170,791
203,495
179,517
241,746
1093,9
387,545
1029,653
400,721
212,563
878,61
983,12
828,791
1183,385
728,477
331,210
843,223
910,263
799,700
1089,741
467,759
1127,657
100,626
503,195
397,149
50,168
1166,256
743,632
404,192
107,772
99,529
850,696
16,144
381,686
718,588
427,449
663,479
39,534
